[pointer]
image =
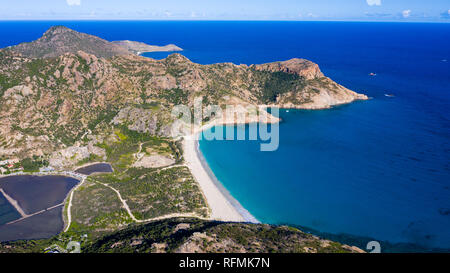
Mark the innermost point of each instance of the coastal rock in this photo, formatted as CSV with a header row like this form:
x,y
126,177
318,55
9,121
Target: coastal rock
x,y
320,94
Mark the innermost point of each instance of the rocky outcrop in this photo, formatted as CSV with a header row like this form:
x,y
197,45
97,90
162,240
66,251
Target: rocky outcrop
x,y
72,155
59,40
319,94
301,67
17,93
141,120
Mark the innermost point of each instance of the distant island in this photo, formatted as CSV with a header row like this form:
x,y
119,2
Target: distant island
x,y
69,99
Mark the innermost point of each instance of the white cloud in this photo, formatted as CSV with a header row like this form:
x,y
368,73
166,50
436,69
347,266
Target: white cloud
x,y
374,2
406,13
73,2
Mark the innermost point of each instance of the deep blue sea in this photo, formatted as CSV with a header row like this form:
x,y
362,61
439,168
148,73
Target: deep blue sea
x,y
378,169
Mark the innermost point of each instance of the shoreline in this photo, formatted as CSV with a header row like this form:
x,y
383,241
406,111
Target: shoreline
x,y
222,204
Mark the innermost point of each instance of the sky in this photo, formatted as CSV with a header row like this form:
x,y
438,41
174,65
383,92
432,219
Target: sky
x,y
296,10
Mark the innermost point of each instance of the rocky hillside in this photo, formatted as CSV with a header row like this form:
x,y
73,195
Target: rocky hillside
x,y
59,40
196,236
67,88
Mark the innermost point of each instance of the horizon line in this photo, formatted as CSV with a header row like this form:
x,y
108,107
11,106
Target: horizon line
x,y
218,20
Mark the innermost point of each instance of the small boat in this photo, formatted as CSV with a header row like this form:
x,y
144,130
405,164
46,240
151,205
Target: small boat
x,y
287,111
372,74
389,95
444,60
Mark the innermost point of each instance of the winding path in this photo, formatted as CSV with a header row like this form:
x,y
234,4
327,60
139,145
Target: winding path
x,y
69,206
137,156
167,216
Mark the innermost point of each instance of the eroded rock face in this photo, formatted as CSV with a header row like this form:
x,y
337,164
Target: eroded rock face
x,y
301,67
18,92
320,94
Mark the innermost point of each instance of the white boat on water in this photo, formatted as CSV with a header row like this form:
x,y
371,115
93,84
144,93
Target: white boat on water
x,y
389,95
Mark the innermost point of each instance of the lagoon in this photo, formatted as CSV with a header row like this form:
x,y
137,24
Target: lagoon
x,y
40,196
95,168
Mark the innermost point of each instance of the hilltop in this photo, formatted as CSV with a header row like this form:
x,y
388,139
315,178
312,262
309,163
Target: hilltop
x,y
59,40
187,235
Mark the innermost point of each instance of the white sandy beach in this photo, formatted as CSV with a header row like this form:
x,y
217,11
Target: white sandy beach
x,y
221,206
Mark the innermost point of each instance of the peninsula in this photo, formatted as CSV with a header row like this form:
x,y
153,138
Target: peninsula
x,y
139,48
72,98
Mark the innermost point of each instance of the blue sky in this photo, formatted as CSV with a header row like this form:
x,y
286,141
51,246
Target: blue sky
x,y
349,10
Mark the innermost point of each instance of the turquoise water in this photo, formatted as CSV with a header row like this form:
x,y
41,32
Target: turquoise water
x,y
346,170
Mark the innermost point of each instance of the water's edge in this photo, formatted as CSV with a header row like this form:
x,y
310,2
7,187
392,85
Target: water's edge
x,y
235,203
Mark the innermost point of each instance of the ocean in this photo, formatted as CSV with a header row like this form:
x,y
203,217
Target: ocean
x,y
373,170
